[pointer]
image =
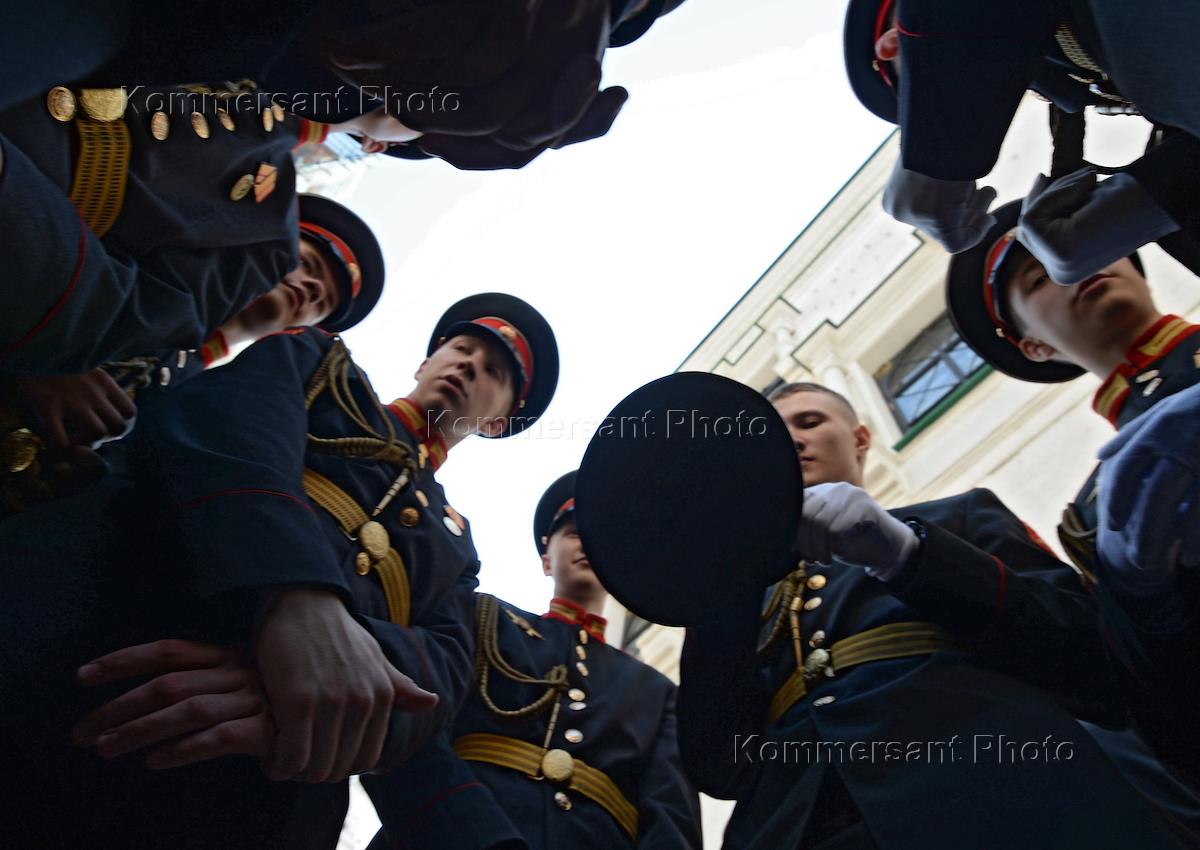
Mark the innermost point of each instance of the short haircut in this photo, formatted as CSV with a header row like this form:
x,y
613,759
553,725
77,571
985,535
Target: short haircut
x,y
794,387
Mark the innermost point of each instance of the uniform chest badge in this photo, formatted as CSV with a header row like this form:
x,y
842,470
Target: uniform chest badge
x,y
523,624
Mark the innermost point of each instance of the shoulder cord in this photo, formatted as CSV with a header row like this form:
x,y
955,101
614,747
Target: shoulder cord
x,y
781,601
487,656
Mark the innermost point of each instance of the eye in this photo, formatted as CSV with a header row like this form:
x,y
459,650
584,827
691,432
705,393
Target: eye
x,y
306,264
1038,280
810,422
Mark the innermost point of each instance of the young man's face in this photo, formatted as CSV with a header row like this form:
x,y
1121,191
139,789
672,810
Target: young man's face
x,y
470,378
831,444
1070,323
306,295
567,563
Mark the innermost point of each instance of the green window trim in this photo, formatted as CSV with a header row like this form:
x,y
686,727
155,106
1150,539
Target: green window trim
x,y
935,412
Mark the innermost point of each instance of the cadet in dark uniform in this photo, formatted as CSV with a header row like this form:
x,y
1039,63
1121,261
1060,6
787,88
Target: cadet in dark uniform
x,y
884,696
1018,319
564,741
312,533
337,283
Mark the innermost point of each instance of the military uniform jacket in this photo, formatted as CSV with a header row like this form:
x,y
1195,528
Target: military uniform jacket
x,y
181,257
617,715
922,744
1155,638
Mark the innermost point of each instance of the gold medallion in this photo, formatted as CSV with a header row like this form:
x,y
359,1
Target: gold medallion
x,y
160,126
226,119
242,187
103,104
558,766
374,539
200,125
19,449
61,103
362,563
268,120
277,111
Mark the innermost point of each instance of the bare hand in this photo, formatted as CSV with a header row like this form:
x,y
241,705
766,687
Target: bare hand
x,y
204,702
73,410
330,687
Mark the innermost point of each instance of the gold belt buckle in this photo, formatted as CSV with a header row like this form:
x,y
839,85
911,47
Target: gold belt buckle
x,y
818,662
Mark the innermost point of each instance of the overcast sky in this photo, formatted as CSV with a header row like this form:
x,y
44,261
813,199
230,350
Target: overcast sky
x,y
740,126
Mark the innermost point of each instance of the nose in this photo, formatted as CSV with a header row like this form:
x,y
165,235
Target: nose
x,y
798,439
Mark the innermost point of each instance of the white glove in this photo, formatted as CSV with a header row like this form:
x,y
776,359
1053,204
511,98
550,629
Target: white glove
x,y
953,212
841,522
1076,226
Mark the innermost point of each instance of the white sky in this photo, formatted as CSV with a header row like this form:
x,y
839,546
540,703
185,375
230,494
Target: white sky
x,y
740,126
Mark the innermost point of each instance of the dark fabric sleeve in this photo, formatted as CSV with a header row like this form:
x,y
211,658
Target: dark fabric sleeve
x,y
436,653
723,694
668,808
436,801
223,458
1170,173
71,305
1012,603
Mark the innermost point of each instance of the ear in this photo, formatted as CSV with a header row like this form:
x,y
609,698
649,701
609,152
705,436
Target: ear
x,y
370,145
862,440
545,563
493,428
1036,350
887,47
420,369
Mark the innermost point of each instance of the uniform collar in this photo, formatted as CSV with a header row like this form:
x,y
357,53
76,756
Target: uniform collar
x,y
1155,343
575,615
412,416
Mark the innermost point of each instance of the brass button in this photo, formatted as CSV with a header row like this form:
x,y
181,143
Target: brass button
x,y
409,517
810,604
817,639
61,104
558,766
581,652
277,111
181,359
583,636
422,498
815,582
452,526
577,706
819,701
1152,386
573,736
164,376
576,694
362,563
226,119
582,668
242,187
268,120
103,104
562,801
200,125
160,126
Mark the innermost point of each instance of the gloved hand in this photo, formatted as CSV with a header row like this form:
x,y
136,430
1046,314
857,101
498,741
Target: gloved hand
x,y
1076,226
841,522
524,75
1149,497
954,212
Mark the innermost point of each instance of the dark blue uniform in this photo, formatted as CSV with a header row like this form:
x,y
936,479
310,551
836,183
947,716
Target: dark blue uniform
x,y
219,510
614,713
1156,637
954,741
182,256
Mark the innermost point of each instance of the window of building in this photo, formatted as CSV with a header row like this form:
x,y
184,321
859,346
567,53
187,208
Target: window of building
x,y
927,372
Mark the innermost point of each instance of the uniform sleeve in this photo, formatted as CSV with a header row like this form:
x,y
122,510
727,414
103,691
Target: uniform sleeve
x,y
437,653
668,808
723,697
1012,603
627,28
71,305
436,801
1170,173
222,458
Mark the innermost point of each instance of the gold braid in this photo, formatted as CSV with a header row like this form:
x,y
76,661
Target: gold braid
x,y
780,602
334,374
487,656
